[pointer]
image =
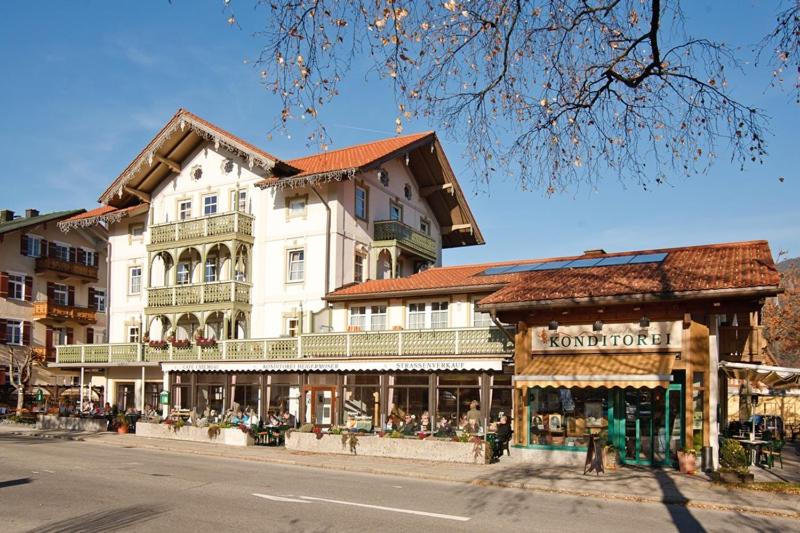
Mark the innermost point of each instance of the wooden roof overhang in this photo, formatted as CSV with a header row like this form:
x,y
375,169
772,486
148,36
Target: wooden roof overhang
x,y
164,155
436,180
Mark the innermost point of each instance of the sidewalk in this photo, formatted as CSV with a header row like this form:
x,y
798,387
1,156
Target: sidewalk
x,y
645,485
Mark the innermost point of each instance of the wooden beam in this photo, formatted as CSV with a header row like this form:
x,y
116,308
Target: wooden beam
x,y
456,227
143,196
173,166
430,189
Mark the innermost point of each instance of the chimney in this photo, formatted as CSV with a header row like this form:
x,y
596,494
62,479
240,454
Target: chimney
x,y
597,251
31,213
6,215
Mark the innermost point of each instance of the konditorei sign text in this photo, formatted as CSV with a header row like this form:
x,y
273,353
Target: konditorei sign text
x,y
613,337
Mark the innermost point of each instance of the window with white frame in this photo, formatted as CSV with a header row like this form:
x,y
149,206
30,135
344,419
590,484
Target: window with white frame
x,y
61,251
89,257
395,212
438,315
296,265
16,287
296,206
377,318
211,270
358,318
100,300
416,316
183,274
358,268
241,200
60,294
135,280
184,209
479,319
361,202
34,246
210,204
133,333
14,332
136,231
60,336
424,226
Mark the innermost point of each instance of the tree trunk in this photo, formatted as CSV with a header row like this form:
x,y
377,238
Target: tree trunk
x,y
20,398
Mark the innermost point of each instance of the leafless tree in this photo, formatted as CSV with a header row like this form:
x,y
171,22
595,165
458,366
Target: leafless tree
x,y
19,360
554,93
782,45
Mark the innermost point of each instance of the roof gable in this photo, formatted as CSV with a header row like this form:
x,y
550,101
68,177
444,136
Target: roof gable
x,y
26,222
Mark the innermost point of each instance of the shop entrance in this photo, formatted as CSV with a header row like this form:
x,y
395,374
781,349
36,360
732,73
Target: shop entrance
x,y
647,424
320,404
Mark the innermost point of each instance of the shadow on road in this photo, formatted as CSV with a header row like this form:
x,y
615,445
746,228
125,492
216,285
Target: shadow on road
x,y
15,482
111,520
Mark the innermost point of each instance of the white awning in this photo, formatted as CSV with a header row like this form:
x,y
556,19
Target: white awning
x,y
775,377
338,365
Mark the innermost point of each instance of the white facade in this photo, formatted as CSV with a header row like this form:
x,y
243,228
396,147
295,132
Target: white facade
x,y
284,221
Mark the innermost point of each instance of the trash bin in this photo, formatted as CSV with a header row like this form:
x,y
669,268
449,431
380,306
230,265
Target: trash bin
x,y
132,422
707,462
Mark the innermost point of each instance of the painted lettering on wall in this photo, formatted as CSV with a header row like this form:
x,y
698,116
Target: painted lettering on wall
x,y
627,336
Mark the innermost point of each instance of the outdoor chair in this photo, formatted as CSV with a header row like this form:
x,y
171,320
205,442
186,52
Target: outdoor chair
x,y
773,451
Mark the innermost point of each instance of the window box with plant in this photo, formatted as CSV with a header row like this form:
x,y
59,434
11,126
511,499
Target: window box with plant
x,y
734,463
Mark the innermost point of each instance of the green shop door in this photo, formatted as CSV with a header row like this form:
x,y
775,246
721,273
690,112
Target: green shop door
x,y
647,424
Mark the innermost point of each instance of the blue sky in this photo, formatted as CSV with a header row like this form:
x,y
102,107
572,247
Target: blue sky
x,y
87,84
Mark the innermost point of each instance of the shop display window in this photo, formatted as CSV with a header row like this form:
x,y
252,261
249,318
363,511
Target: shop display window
x,y
564,417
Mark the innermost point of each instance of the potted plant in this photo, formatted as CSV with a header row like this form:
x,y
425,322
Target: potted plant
x,y
687,460
734,465
122,424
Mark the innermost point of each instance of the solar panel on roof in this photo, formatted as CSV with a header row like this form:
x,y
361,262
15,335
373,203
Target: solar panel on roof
x,y
553,265
522,268
648,258
497,270
584,263
616,260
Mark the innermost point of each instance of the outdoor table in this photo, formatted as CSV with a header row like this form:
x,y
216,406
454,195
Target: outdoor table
x,y
275,434
754,447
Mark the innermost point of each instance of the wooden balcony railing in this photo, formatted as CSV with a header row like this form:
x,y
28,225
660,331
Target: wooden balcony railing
x,y
743,344
406,236
199,294
403,343
66,268
47,309
216,225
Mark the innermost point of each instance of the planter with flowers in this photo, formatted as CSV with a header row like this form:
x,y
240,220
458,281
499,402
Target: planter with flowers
x,y
687,461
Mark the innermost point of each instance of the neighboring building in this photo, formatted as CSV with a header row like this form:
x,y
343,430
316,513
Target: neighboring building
x,y
211,237
52,288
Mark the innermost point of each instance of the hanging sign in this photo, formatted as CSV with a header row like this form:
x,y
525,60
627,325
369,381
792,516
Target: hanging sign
x,y
163,398
612,338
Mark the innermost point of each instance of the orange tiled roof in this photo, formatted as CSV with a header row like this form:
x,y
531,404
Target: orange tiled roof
x,y
104,213
349,158
695,268
99,211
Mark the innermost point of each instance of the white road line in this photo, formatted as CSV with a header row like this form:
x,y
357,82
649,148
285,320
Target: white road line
x,y
279,498
49,471
392,509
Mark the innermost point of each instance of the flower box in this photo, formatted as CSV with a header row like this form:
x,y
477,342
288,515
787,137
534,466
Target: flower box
x,y
232,436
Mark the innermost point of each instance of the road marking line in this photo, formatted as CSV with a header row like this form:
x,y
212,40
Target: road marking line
x,y
49,471
279,498
392,509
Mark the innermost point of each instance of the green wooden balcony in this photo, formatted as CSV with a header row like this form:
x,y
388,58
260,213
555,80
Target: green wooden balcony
x,y
400,344
198,294
405,237
216,227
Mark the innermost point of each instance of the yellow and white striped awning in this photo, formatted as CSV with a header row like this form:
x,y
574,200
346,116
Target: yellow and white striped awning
x,y
774,377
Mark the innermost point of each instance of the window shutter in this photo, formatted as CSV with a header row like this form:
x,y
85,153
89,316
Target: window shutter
x,y
26,333
92,301
48,340
73,254
70,336
23,244
71,296
51,249
51,291
81,255
2,330
45,250
3,284
89,336
28,288
96,258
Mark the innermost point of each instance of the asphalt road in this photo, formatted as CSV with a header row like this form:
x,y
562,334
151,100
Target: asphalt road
x,y
56,485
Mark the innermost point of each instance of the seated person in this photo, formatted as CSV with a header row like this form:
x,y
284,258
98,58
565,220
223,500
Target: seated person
x,y
425,422
409,426
444,429
252,418
504,433
237,418
289,419
462,422
472,426
273,420
351,422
